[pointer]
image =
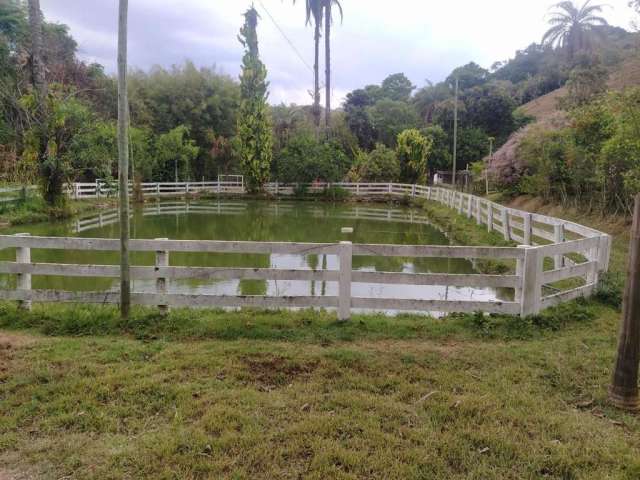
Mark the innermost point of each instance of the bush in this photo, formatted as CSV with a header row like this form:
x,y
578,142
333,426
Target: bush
x,y
610,289
336,194
379,165
305,159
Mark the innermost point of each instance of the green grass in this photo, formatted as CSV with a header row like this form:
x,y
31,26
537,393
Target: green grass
x,y
35,210
263,395
280,396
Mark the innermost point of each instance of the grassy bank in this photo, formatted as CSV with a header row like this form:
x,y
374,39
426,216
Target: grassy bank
x,y
252,394
35,210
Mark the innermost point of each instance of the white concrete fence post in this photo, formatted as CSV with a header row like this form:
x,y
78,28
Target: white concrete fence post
x,y
526,228
505,223
558,237
479,211
489,217
469,206
23,255
531,281
162,260
344,298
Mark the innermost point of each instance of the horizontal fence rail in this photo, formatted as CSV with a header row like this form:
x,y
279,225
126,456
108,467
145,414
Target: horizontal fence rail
x,y
555,260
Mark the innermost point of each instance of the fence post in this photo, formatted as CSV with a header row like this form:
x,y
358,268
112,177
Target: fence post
x,y
505,223
479,211
276,188
526,228
469,205
558,237
489,217
531,298
23,255
158,190
344,299
162,260
413,190
390,189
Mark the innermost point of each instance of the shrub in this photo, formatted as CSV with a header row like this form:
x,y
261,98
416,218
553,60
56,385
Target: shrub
x,y
379,165
304,159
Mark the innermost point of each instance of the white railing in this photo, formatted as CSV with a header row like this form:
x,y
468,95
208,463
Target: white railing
x,y
573,252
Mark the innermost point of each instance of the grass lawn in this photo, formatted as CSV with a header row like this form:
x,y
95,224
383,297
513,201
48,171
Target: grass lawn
x,y
298,395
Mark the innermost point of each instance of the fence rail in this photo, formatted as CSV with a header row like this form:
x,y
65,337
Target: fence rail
x,y
551,250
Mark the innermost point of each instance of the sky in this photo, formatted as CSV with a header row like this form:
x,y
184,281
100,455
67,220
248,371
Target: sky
x,y
425,39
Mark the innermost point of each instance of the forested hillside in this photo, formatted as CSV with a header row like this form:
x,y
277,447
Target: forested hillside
x,y
184,119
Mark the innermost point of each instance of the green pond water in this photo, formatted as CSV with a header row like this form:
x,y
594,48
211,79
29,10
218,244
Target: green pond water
x,y
260,221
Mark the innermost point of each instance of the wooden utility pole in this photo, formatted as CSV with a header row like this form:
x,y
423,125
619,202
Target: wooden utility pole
x,y
455,136
123,160
623,391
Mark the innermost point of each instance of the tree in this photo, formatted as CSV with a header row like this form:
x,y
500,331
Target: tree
x,y
397,87
123,160
328,21
572,27
174,153
254,128
469,76
440,157
390,117
413,152
306,159
379,165
358,118
315,11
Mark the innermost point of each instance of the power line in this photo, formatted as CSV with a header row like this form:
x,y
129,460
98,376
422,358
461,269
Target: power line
x,y
284,35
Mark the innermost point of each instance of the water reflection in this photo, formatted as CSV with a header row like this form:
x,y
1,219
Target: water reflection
x,y
264,221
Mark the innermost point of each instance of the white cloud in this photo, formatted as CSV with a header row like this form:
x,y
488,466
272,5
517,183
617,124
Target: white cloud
x,y
424,39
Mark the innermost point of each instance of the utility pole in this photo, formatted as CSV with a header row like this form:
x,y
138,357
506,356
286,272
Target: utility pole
x,y
455,136
623,392
123,160
486,170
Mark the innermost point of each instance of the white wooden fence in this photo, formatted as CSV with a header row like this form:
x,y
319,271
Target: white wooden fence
x,y
573,252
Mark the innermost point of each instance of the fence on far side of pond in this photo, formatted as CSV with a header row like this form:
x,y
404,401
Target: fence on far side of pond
x,y
551,254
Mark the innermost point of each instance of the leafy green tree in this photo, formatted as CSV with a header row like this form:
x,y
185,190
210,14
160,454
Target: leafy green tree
x,y
390,118
413,151
305,159
254,128
379,165
174,153
473,145
440,157
397,87
585,83
358,119
469,76
572,27
66,117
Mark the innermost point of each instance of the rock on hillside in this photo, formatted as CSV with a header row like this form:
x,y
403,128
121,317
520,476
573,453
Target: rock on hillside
x,y
506,164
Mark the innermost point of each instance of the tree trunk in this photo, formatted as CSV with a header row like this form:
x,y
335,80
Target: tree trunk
x,y
37,63
316,73
123,161
623,392
327,71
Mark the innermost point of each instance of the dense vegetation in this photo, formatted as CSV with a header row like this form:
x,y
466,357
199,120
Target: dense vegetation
x,y
188,123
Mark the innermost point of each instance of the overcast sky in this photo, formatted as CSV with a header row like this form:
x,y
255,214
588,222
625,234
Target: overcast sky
x,y
426,39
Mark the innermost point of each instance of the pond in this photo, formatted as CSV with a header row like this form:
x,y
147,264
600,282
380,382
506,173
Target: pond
x,y
262,221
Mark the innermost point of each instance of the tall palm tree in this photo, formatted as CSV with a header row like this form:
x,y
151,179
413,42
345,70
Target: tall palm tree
x,y
315,10
572,26
328,20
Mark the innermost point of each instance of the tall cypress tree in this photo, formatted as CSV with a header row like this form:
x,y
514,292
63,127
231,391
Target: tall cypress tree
x,y
254,126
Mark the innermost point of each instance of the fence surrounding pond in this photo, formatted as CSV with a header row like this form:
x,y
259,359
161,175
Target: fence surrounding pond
x,y
551,250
